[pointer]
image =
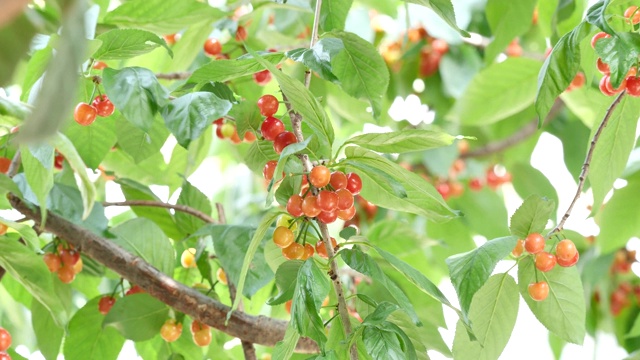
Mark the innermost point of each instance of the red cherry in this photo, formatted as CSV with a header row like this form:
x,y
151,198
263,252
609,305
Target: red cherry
x,y
197,326
212,47
444,189
218,122
327,217
5,339
294,205
293,252
66,273
348,214
271,128
605,86
545,261
52,261
219,133
345,199
597,37
534,243
354,183
135,289
308,251
566,250
633,86
241,34
338,180
539,291
268,105
99,65
327,200
518,249
577,82
321,250
310,206
249,137
5,163
268,170
85,114
104,106
283,140
632,13
475,184
262,78
4,356
105,304
575,259
69,256
320,176
170,331
602,67
170,39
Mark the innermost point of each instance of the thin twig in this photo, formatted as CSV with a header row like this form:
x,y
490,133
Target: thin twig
x,y
174,76
587,161
222,218
516,138
15,164
151,203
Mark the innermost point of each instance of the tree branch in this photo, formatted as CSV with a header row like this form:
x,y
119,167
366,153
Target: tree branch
x,y
587,161
174,76
151,203
516,138
256,329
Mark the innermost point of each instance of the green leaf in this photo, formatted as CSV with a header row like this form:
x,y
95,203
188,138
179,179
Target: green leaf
x,y
145,239
532,216
382,344
402,141
286,280
87,339
35,69
159,16
620,219
258,154
635,329
444,9
361,70
256,240
37,162
364,264
15,34
26,232
87,190
92,142
620,52
284,156
559,69
508,20
612,151
318,58
194,198
469,271
247,116
189,115
596,16
380,314
333,14
225,70
48,334
137,317
284,348
138,143
29,270
127,43
497,92
422,198
136,92
417,335
312,287
563,311
532,181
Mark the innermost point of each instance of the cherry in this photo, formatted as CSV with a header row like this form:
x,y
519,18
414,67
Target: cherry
x,y
354,183
241,34
52,261
197,326
597,37
268,105
85,114
319,176
327,200
58,160
235,138
348,214
188,258
456,189
602,67
283,236
268,170
77,268
69,256
170,331
66,273
310,206
475,184
338,180
222,276
545,261
539,291
632,13
104,106
345,199
605,86
218,121
308,251
287,306
633,86
262,77
271,127
227,130
212,47
534,243
321,250
249,137
566,250
577,82
517,251
514,49
105,304
327,217
135,289
5,339
5,163
294,205
99,65
444,189
283,140
3,229
4,356
575,258
440,46
294,251
170,39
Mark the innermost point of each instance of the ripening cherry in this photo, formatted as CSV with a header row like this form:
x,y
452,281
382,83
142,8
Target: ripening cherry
x,y
632,13
440,46
3,229
249,137
66,273
5,339
321,250
354,183
348,214
539,291
4,356
475,184
456,188
444,189
221,276
212,47
602,67
287,306
268,105
577,82
52,261
170,39
188,258
262,78
308,251
58,161
327,217
545,261
518,249
227,130
633,86
241,34
283,140
534,243
327,200
269,169
345,199
85,114
338,180
271,127
514,49
294,251
575,259
104,106
604,88
294,205
566,250
99,65
319,176
170,331
283,236
69,256
5,163
597,37
135,289
77,268
310,206
105,304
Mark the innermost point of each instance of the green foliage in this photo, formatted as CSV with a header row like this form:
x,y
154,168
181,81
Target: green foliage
x,y
531,217
137,317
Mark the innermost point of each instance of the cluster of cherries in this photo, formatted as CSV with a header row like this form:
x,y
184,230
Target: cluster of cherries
x,y
272,128
106,302
171,331
85,114
566,255
430,54
228,130
631,83
622,297
65,262
5,342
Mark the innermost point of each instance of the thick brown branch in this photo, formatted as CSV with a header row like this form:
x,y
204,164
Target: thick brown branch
x,y
150,203
587,162
516,138
174,76
256,329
